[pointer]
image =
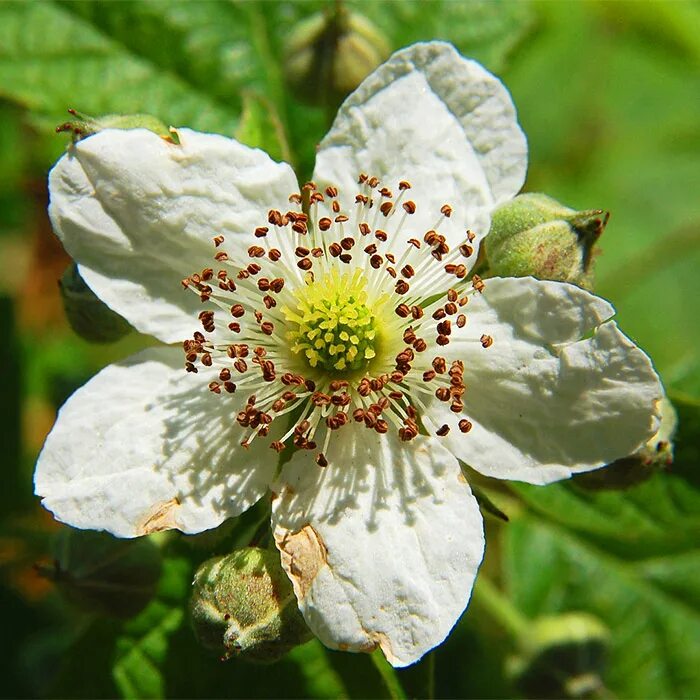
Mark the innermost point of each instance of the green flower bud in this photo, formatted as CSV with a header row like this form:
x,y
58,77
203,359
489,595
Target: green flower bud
x,y
88,315
656,454
243,604
103,574
534,234
83,125
561,656
329,54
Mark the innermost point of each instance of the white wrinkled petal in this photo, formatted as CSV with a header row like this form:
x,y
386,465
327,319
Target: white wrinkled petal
x,y
139,214
382,546
438,120
560,391
144,446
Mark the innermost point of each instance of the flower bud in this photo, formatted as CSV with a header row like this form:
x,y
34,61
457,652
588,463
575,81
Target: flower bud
x,y
329,54
561,656
88,315
656,454
101,573
83,125
243,604
534,234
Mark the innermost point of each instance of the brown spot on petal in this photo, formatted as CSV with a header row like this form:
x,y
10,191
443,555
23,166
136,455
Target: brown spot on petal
x,y
162,516
303,555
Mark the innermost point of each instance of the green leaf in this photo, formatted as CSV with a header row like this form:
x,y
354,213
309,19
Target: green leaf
x,y
143,643
629,558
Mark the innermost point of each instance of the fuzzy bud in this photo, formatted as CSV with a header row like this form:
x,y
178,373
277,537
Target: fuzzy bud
x,y
104,574
534,234
83,125
329,54
243,604
87,314
561,656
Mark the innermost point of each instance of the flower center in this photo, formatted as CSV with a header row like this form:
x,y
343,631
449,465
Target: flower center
x,y
332,326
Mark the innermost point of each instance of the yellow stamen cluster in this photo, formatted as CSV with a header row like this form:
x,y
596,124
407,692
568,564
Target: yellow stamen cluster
x,y
332,325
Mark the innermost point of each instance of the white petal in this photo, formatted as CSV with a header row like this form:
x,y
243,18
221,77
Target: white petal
x,y
382,546
438,120
144,446
139,214
560,391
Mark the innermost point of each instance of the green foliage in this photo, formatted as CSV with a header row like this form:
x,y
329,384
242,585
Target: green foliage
x,y
628,558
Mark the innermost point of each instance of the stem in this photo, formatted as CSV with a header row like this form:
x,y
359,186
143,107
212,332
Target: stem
x,y
500,608
388,674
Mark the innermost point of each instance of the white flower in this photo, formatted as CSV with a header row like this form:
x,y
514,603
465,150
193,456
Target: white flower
x,y
355,332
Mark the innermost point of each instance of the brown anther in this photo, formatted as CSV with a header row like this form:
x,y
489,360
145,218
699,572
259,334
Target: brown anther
x,y
466,250
317,252
264,284
335,206
325,223
295,198
417,312
450,268
277,284
361,199
451,308
414,242
461,271
237,310
261,231
443,430
305,264
364,229
299,227
309,186
301,252
331,191
403,310
215,387
382,426
373,182
446,210
407,271
445,327
420,345
258,316
386,208
335,249
267,327
345,257
471,236
380,235
225,374
442,340
409,206
191,368
218,240
443,393
409,335
452,295
341,219
376,261
371,249
316,197
440,365
401,287
240,365
439,313
362,178
277,445
207,274
206,360
391,271
275,254
321,460
347,243
478,283
461,321
428,375
486,341
230,387
431,237
404,185
456,407
235,327
253,269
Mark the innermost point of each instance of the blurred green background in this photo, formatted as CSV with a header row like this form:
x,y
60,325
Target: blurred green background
x,y
609,96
